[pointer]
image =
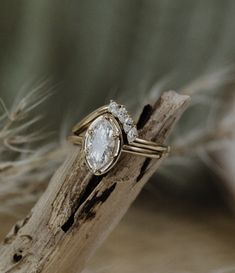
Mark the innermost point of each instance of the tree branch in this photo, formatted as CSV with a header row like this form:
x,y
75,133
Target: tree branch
x,y
78,210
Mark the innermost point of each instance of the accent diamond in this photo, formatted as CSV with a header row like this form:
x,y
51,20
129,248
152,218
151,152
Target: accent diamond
x,y
102,143
128,124
113,108
122,114
132,135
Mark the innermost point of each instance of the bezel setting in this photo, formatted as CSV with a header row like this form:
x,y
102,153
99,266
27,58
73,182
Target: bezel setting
x,y
102,144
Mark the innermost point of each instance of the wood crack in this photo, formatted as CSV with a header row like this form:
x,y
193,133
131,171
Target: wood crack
x,y
88,210
144,116
92,184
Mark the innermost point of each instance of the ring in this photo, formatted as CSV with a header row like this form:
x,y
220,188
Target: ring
x,y
107,132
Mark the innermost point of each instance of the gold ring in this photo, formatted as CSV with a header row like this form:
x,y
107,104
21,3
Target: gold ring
x,y
107,132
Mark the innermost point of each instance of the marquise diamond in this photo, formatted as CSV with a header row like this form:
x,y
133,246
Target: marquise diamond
x,y
102,143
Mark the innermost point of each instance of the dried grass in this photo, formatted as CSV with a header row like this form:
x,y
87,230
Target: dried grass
x,y
27,162
212,131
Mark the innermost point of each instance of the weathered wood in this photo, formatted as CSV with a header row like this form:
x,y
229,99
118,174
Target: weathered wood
x,y
78,210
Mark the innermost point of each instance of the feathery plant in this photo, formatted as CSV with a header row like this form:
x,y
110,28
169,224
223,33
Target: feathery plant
x,y
27,160
204,133
214,122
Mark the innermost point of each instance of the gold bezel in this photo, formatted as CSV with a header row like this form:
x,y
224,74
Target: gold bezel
x,y
118,146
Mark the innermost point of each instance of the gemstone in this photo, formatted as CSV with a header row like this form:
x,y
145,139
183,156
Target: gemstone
x,y
113,108
128,124
122,114
102,143
132,134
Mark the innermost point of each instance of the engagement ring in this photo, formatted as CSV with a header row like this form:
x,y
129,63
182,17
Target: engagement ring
x,y
107,132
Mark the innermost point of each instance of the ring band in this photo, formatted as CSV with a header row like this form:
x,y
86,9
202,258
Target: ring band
x,y
108,131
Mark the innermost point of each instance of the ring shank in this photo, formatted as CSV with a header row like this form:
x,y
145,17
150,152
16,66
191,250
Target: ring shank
x,y
152,151
84,123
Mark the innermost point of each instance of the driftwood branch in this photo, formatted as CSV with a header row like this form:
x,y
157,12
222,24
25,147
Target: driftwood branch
x,y
78,210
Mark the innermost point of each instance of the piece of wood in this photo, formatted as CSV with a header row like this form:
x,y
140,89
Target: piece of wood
x,y
78,210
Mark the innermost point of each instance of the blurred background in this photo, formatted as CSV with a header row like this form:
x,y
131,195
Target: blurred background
x,y
61,59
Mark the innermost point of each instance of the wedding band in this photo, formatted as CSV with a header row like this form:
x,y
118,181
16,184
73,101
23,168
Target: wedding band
x,y
107,132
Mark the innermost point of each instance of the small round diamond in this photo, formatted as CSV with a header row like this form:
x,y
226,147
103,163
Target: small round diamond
x,y
113,108
128,124
102,143
122,114
132,134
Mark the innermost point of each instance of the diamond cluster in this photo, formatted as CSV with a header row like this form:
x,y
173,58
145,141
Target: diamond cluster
x,y
120,112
